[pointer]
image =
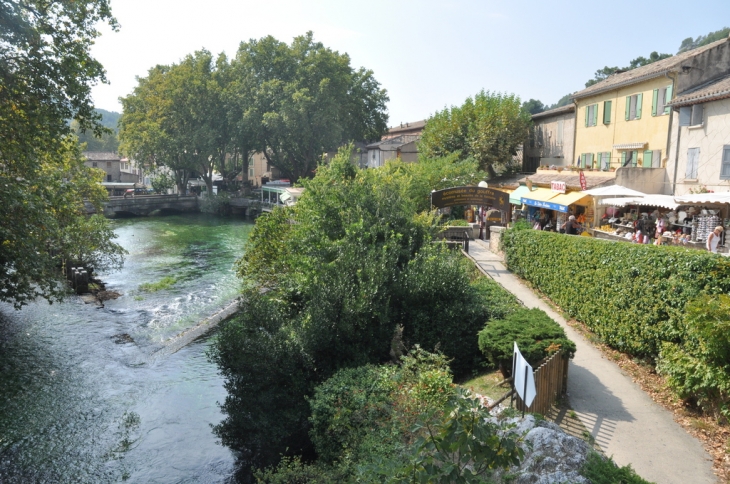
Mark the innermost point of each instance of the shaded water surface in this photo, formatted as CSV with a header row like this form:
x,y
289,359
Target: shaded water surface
x,y
84,396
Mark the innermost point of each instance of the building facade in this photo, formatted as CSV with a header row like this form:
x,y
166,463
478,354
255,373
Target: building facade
x,y
625,120
700,142
551,139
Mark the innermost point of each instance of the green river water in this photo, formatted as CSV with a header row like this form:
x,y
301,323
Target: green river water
x,y
80,403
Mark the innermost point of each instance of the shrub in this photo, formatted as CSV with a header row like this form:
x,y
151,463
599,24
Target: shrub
x,y
601,470
536,334
632,296
699,367
457,223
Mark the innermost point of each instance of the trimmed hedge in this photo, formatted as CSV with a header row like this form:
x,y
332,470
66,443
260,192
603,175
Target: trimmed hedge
x,y
632,296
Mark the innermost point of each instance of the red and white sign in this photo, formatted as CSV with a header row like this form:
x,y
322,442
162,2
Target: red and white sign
x,y
582,180
557,186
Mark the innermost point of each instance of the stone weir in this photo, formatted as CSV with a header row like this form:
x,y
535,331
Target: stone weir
x,y
183,339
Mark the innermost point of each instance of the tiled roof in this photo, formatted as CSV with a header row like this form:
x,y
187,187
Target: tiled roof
x,y
655,69
717,89
555,111
407,127
101,156
572,178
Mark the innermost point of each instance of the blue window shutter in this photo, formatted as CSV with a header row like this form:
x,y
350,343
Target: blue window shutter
x,y
654,102
628,107
639,98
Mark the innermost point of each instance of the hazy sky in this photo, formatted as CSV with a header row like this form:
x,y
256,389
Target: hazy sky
x,y
427,54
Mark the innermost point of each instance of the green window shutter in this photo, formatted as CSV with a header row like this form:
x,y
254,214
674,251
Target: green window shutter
x,y
654,101
623,158
587,112
607,112
667,99
647,158
595,115
639,98
628,107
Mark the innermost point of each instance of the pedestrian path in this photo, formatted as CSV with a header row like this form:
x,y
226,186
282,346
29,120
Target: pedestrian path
x,y
625,422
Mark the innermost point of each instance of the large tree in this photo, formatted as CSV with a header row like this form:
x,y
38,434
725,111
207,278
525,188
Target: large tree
x,y
488,127
296,102
176,118
46,76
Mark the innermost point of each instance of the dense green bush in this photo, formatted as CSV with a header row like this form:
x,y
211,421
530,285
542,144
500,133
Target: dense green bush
x,y
348,270
632,296
536,334
699,367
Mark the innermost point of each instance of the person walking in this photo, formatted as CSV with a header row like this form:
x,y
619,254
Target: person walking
x,y
571,227
714,239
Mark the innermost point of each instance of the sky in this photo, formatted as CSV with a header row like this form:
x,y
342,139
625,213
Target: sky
x,y
428,55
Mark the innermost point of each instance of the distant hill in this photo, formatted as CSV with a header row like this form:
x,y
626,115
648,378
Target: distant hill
x,y
109,119
107,142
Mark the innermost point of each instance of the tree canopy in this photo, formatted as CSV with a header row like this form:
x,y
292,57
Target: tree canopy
x,y
488,127
607,71
293,103
689,43
45,80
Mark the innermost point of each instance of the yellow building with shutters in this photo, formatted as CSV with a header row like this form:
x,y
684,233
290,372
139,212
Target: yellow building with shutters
x,y
625,119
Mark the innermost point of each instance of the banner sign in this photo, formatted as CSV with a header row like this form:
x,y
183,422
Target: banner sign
x,y
481,196
540,204
582,180
524,377
557,186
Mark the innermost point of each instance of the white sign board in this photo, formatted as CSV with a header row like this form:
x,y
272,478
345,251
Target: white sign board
x,y
521,368
557,186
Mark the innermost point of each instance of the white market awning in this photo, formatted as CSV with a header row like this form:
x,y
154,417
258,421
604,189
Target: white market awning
x,y
613,191
664,201
704,198
629,146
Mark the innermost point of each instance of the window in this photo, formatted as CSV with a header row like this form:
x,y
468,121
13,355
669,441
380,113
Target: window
x,y
604,160
660,100
250,172
93,164
628,158
691,115
109,178
633,106
607,112
108,164
591,115
725,167
586,160
559,137
693,158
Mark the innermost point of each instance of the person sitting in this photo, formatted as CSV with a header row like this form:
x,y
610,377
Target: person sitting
x,y
571,227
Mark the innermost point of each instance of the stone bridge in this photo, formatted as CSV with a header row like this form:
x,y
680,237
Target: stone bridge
x,y
146,204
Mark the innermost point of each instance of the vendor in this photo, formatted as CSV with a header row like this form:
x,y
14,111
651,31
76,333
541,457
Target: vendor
x,y
571,227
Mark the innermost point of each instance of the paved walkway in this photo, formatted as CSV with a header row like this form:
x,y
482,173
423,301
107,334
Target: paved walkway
x,y
625,422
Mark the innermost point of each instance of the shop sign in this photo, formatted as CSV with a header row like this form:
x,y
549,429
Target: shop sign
x,y
471,196
540,204
557,186
582,180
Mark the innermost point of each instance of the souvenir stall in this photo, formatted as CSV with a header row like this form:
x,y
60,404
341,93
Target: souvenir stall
x,y
660,219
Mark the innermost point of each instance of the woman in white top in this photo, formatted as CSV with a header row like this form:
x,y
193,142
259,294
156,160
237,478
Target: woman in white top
x,y
714,239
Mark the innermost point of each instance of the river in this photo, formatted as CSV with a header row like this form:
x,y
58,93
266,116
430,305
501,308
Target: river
x,y
85,393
